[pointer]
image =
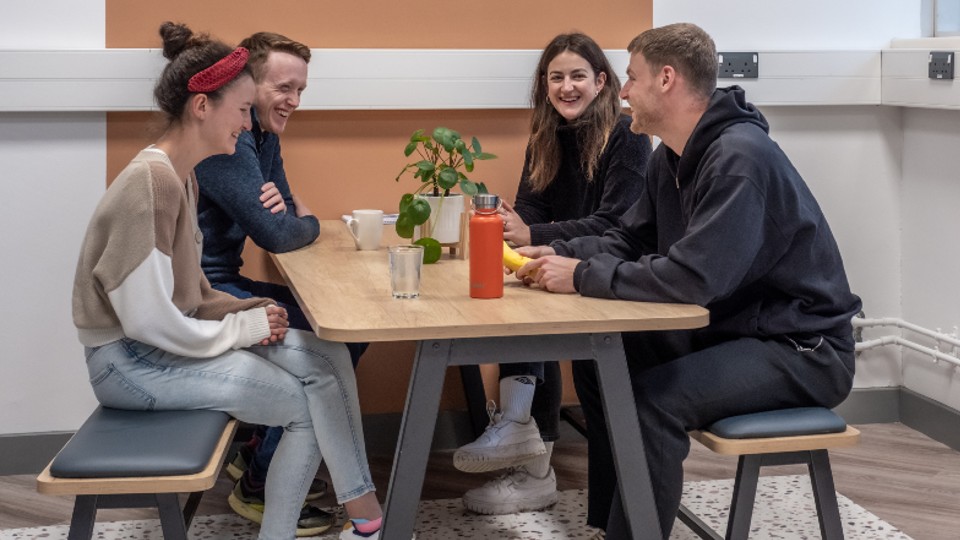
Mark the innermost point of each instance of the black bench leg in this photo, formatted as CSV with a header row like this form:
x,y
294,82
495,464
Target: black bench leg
x,y
697,525
744,493
825,495
171,517
84,516
190,508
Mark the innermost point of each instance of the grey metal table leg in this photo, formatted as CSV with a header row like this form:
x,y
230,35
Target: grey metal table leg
x,y
625,440
416,436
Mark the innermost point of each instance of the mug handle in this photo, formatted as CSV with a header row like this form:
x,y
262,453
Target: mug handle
x,y
352,225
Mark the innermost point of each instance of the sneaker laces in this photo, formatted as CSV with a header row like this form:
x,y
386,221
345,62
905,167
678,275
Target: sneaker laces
x,y
508,479
492,413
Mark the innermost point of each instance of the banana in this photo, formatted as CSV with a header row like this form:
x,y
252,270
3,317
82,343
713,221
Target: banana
x,y
512,259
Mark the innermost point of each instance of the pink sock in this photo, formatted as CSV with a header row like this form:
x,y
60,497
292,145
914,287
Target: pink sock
x,y
367,526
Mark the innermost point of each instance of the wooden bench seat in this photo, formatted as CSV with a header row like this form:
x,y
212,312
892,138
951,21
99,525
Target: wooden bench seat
x,y
783,437
136,459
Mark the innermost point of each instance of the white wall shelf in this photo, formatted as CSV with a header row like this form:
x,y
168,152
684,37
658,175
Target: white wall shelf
x,y
385,79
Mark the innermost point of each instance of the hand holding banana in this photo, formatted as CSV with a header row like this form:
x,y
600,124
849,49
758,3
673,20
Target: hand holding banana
x,y
549,271
513,260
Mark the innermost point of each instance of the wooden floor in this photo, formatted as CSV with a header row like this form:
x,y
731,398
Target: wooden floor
x,y
902,476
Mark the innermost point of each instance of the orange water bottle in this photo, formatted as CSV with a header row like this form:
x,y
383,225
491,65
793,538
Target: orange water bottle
x,y
486,247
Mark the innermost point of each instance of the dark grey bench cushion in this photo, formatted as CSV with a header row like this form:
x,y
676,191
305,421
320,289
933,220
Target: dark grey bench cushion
x,y
779,423
115,443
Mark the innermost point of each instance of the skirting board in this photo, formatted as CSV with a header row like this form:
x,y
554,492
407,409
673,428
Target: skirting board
x,y
29,454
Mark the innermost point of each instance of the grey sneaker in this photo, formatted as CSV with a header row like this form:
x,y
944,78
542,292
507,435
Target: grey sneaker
x,y
503,444
312,522
515,491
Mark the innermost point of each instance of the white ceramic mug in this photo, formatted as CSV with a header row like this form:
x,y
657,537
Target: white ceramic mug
x,y
366,227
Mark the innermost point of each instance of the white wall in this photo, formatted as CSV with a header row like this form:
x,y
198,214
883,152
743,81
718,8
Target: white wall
x,y
54,167
811,24
931,243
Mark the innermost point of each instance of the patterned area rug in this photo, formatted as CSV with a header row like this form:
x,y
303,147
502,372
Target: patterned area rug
x,y
784,510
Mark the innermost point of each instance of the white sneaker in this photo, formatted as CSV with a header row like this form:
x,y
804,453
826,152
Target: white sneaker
x,y
504,443
516,491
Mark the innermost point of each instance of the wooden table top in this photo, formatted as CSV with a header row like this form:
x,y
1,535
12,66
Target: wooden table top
x,y
345,294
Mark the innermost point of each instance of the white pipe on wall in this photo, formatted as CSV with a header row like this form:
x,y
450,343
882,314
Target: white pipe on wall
x,y
900,323
897,340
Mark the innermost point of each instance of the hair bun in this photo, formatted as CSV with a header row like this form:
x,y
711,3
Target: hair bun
x,y
175,38
178,37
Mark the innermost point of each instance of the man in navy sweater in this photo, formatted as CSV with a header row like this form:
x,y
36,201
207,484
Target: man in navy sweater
x,y
247,194
725,222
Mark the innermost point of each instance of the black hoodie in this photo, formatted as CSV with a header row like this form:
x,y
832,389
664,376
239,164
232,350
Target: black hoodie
x,y
730,225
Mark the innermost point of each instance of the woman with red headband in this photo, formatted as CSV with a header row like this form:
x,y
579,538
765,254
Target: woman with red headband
x,y
157,336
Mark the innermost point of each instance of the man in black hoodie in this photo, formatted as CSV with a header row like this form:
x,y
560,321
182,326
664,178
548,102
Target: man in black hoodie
x,y
725,222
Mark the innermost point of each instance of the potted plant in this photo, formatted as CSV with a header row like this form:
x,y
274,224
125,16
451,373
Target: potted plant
x,y
444,159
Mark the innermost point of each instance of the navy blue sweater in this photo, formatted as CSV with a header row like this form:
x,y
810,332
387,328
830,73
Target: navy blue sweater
x,y
729,225
229,207
571,206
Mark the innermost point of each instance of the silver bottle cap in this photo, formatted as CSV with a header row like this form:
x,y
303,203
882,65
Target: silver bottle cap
x,y
486,202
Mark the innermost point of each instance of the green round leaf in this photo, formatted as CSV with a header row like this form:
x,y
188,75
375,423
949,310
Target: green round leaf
x,y
409,149
445,137
419,211
405,202
431,249
468,188
404,226
447,178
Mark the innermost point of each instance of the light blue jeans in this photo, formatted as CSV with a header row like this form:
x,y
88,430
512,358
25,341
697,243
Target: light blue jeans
x,y
304,384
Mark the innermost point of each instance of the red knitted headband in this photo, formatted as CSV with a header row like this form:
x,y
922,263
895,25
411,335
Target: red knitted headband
x,y
219,74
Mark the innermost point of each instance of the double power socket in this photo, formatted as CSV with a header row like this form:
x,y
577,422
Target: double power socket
x,y
940,65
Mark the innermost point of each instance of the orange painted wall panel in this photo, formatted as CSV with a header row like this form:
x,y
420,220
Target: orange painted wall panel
x,y
436,24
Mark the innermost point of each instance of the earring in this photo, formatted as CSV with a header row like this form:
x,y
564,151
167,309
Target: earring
x,y
597,93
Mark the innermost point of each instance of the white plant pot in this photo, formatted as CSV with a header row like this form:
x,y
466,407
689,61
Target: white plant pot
x,y
444,222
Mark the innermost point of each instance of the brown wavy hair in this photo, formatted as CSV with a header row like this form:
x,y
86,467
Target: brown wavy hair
x,y
684,46
262,44
594,125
